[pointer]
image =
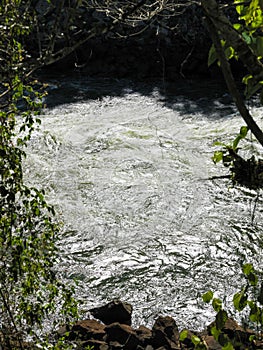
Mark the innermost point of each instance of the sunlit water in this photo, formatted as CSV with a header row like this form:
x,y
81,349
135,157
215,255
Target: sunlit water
x,y
127,167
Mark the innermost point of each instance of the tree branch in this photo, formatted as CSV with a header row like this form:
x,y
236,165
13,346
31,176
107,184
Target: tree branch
x,y
229,79
233,38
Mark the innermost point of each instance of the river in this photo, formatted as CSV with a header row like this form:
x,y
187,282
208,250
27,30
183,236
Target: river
x,y
127,166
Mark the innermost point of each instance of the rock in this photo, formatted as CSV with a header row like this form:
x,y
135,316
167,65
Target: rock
x,y
86,330
234,332
115,311
63,330
114,345
144,335
237,334
163,336
165,333
211,343
94,344
123,334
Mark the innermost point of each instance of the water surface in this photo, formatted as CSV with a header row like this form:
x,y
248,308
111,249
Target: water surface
x,y
127,166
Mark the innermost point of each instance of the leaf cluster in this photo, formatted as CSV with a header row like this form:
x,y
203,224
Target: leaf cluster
x,y
250,296
228,152
30,290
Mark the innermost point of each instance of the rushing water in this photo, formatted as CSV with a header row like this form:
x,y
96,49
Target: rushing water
x,y
127,167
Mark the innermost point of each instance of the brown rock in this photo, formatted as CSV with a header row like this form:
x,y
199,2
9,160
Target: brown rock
x,y
211,343
144,335
63,330
123,334
87,329
114,345
237,334
115,311
165,333
94,344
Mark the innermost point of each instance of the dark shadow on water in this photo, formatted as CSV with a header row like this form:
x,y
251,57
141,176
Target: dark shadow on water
x,y
207,97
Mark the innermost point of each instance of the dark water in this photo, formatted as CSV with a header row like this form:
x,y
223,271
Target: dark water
x,y
127,166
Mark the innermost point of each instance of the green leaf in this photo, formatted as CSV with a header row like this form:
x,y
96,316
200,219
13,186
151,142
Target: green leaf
x,y
221,319
195,339
236,142
215,332
183,335
228,346
249,272
217,157
243,131
217,304
218,143
212,56
229,52
247,269
240,300
246,78
255,313
240,9
247,38
208,296
253,279
237,26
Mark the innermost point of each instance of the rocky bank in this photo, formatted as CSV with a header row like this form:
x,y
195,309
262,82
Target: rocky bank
x,y
110,329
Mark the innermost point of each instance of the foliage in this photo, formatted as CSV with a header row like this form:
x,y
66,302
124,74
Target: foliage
x,y
254,288
250,296
246,172
29,288
226,154
196,341
250,26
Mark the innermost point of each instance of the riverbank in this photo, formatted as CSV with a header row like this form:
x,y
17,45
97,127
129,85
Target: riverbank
x,y
111,329
168,47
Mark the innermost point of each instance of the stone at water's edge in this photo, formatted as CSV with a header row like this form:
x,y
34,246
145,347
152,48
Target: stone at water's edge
x,y
164,334
115,311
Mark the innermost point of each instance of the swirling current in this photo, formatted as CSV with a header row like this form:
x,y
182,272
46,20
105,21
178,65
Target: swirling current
x,y
128,167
